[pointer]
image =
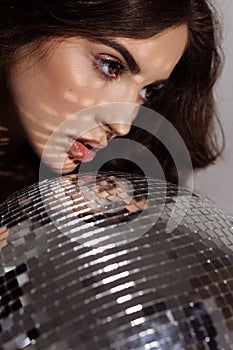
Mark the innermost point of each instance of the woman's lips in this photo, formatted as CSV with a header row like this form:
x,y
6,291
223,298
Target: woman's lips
x,y
80,152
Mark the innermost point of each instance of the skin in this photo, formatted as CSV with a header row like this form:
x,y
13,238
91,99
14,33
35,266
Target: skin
x,y
73,75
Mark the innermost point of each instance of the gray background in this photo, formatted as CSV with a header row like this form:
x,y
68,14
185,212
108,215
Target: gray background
x,y
215,182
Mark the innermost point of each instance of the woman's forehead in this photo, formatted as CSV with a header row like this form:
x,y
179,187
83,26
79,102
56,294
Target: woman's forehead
x,y
158,53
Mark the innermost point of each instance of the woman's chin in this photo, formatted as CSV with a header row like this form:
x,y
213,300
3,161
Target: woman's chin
x,y
68,166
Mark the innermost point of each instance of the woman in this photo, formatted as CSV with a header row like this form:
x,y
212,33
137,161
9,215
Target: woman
x,y
58,58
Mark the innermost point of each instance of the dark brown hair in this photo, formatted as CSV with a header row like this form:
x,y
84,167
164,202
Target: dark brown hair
x,y
187,102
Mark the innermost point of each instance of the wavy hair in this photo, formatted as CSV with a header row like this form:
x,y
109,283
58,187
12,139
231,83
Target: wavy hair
x,y
187,102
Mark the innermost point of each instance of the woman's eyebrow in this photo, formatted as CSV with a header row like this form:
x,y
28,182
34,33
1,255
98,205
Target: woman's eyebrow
x,y
130,61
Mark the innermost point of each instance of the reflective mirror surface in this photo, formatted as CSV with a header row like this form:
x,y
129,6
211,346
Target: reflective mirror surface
x,y
91,263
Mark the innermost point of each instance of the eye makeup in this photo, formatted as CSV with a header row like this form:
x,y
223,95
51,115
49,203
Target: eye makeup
x,y
109,67
154,90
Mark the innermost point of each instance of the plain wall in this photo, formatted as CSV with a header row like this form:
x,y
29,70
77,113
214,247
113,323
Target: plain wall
x,y
215,182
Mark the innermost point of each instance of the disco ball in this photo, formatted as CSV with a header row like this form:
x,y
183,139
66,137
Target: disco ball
x,y
91,263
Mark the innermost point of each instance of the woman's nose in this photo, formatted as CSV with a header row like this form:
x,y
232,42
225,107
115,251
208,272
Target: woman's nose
x,y
118,116
120,129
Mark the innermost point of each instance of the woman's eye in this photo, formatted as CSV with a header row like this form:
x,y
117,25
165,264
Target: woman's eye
x,y
145,93
109,68
150,92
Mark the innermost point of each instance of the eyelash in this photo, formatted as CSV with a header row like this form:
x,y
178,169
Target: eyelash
x,y
100,62
154,91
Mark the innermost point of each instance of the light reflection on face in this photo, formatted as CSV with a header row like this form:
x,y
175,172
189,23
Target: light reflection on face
x,y
77,73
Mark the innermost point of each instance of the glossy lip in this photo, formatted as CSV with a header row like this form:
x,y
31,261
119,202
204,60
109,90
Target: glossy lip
x,y
90,142
87,151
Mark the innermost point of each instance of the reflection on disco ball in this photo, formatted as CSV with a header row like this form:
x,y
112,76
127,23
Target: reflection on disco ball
x,y
160,290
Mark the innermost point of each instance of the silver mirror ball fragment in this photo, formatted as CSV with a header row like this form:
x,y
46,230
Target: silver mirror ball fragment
x,y
91,263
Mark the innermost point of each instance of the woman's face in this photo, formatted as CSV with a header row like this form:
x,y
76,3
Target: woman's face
x,y
70,75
